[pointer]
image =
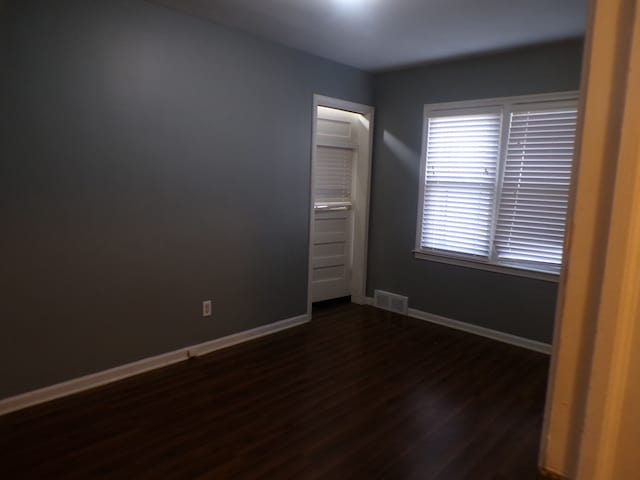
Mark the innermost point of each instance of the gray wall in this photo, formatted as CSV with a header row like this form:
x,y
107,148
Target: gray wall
x,y
4,81
153,160
515,305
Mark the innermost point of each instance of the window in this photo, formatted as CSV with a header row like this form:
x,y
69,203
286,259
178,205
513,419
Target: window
x,y
495,182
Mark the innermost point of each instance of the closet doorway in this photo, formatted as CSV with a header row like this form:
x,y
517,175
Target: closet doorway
x,y
340,184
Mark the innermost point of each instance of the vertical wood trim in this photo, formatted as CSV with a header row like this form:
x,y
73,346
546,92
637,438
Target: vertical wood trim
x,y
619,312
361,214
596,247
312,196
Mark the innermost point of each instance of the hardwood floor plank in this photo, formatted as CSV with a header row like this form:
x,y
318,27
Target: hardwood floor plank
x,y
356,393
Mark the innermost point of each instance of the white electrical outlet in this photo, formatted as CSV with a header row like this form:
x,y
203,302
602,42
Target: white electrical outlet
x,y
206,308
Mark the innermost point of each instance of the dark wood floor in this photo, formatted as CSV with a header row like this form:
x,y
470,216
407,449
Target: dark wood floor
x,y
357,393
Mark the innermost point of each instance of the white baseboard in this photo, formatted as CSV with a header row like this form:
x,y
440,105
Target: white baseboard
x,y
477,330
104,377
241,337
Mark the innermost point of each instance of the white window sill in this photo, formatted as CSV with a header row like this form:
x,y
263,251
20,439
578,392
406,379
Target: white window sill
x,y
490,267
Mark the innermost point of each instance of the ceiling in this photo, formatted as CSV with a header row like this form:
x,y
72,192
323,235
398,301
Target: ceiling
x,y
377,35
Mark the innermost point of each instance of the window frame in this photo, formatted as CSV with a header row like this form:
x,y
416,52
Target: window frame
x,y
506,105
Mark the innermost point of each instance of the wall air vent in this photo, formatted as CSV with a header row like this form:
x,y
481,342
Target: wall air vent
x,y
391,302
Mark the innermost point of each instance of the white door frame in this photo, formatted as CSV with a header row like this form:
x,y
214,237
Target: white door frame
x,y
361,228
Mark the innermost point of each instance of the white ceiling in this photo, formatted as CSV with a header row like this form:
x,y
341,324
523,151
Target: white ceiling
x,y
377,35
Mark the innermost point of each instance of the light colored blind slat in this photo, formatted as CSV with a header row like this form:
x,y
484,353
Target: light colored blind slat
x,y
333,174
537,176
460,176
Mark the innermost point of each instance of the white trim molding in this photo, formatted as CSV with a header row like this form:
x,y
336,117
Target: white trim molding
x,y
477,330
487,266
247,335
482,331
111,375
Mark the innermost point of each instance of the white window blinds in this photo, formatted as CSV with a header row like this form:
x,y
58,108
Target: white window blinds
x,y
535,191
333,174
497,179
460,180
